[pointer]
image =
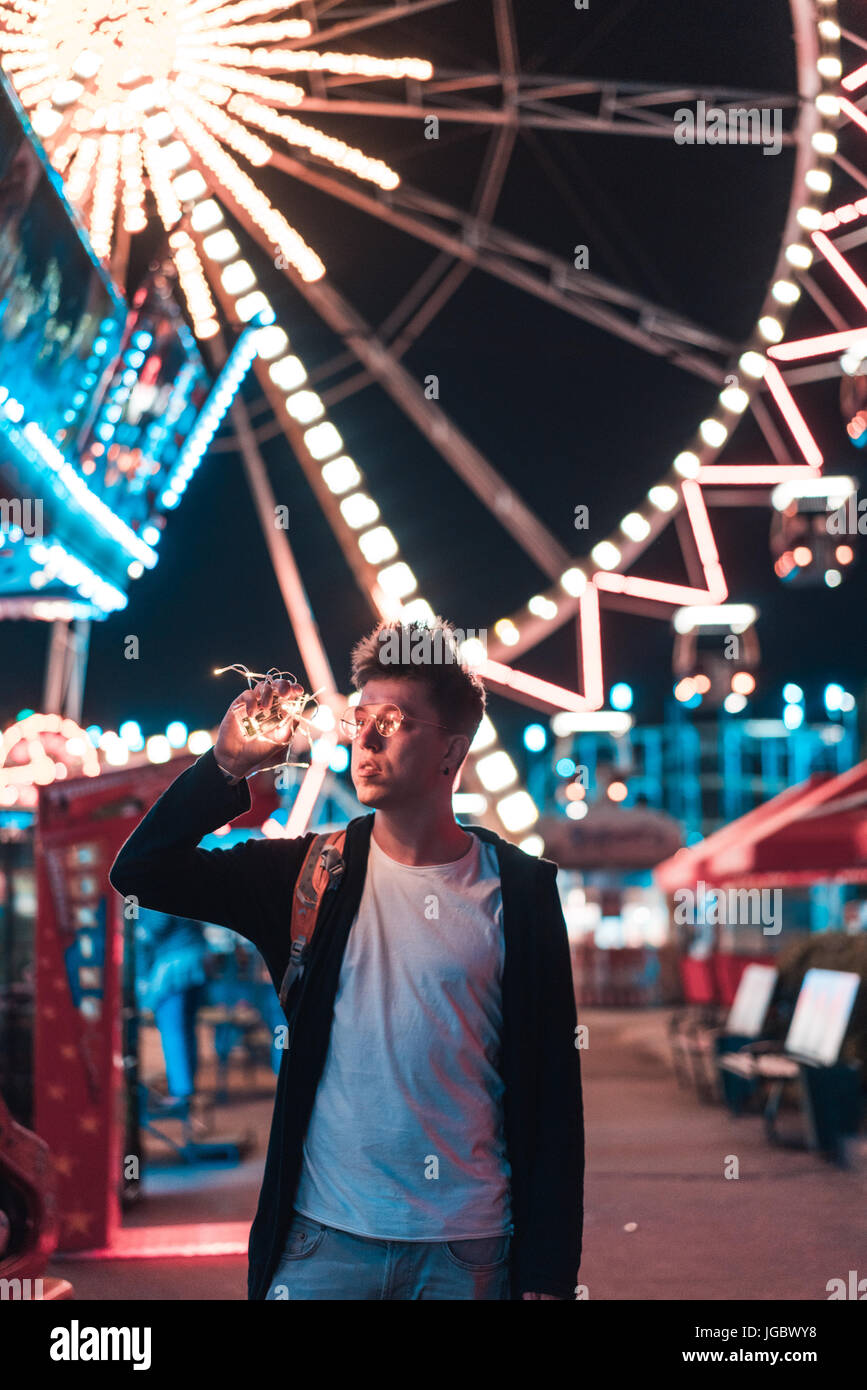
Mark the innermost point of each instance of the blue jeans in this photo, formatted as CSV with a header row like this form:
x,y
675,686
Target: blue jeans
x,y
175,1016
322,1262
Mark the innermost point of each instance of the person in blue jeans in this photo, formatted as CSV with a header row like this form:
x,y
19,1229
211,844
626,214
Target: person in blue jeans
x,y
427,1139
170,979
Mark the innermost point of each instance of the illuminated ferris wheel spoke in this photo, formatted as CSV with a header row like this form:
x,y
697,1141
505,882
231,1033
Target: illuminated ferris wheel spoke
x,y
64,153
81,170
160,178
230,131
103,73
230,176
249,33
133,198
256,84
105,195
237,13
326,147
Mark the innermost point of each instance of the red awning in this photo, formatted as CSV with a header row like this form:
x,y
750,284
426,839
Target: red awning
x,y
816,831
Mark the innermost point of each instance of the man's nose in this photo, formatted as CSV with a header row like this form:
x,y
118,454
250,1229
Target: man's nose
x,y
370,737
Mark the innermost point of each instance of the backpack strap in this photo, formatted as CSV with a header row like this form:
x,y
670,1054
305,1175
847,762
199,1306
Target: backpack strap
x,y
322,870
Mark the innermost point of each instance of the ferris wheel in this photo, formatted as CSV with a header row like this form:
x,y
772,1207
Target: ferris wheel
x,y
169,111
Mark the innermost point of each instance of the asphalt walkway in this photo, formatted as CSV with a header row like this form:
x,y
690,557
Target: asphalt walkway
x,y
662,1219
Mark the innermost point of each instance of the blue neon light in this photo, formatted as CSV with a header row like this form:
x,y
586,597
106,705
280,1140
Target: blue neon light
x,y
35,444
222,394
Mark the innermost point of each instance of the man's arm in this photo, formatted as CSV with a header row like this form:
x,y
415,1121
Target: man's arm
x,y
556,1207
247,888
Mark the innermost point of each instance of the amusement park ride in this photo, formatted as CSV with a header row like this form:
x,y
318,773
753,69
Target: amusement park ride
x,y
166,111
114,119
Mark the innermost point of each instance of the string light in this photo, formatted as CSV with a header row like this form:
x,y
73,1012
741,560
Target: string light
x,y
279,715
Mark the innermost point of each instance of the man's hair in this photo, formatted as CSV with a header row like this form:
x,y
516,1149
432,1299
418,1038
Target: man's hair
x,y
430,655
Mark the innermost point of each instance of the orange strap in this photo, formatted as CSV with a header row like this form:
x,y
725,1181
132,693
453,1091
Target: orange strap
x,y
322,869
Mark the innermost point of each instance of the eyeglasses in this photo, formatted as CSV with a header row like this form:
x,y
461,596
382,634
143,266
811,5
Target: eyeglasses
x,y
387,722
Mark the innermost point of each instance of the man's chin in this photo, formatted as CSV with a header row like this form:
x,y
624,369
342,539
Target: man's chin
x,y
371,793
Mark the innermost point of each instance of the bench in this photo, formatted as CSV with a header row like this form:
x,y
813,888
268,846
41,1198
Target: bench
x,y
705,1042
829,1088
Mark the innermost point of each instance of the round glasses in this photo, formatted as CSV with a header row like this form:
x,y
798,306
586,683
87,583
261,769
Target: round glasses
x,y
387,721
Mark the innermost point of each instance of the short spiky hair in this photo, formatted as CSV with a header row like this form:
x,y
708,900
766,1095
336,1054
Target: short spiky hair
x,y
429,654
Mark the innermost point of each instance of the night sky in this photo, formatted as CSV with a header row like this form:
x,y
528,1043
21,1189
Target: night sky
x,y
566,413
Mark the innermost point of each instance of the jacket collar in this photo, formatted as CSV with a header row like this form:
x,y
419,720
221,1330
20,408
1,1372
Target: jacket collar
x,y
509,857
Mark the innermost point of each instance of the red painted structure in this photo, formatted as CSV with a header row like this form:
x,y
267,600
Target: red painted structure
x,y
78,1068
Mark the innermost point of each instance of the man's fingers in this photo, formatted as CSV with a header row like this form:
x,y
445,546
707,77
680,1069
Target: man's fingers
x,y
247,698
288,690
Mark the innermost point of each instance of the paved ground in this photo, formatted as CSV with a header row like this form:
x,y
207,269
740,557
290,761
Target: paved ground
x,y
656,1161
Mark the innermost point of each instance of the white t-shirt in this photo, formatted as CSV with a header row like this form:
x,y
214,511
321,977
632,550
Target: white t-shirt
x,y
405,1141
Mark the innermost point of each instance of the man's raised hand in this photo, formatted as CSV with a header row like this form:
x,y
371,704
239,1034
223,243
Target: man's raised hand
x,y
242,755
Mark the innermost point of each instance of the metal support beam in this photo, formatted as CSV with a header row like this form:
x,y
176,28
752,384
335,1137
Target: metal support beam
x,y
468,462
517,262
298,606
66,667
294,595
381,15
365,573
623,108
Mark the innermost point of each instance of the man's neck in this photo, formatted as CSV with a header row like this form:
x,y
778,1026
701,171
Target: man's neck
x,y
419,835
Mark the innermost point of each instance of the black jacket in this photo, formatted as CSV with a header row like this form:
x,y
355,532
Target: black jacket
x,y
249,889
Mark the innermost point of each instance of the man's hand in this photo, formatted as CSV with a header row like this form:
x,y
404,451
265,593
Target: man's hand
x,y
241,755
542,1295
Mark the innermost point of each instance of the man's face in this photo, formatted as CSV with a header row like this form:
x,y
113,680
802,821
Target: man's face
x,y
407,766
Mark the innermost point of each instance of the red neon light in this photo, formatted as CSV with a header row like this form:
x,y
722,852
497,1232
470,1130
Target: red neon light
x,y
816,347
842,267
497,673
555,695
792,415
855,79
767,474
201,1240
661,591
849,109
658,590
591,648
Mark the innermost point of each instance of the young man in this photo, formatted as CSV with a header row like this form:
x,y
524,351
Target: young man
x,y
427,1138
